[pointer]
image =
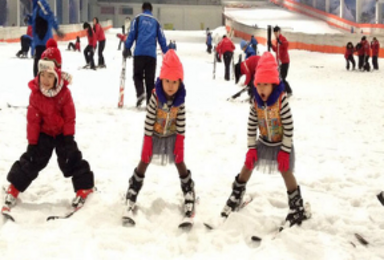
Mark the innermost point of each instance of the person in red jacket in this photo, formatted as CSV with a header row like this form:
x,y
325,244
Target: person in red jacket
x,y
365,51
89,51
282,56
164,134
349,50
375,46
50,126
74,46
100,36
247,68
226,48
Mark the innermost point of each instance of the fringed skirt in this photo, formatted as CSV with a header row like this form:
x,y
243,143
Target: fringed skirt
x,y
267,158
162,150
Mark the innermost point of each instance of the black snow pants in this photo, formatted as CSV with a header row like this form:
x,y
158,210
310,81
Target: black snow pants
x,y
144,68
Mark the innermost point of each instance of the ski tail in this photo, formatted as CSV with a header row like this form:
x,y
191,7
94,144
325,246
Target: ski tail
x,y
122,84
269,34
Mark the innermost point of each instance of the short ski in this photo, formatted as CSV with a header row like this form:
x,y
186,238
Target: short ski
x,y
6,212
68,215
246,201
286,225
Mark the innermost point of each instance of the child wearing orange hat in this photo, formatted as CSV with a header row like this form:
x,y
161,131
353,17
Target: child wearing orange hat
x,y
51,118
271,114
164,135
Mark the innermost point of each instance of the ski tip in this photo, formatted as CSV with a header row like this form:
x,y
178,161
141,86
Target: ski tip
x,y
52,218
8,217
208,226
361,239
256,238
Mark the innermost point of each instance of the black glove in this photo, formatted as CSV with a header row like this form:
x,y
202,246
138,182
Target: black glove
x,y
33,152
127,53
60,33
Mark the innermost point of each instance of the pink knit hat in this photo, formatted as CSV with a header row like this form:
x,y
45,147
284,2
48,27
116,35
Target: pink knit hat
x,y
171,68
266,70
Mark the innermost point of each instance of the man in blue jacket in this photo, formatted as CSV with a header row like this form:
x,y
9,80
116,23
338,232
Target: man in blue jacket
x,y
254,43
144,30
42,21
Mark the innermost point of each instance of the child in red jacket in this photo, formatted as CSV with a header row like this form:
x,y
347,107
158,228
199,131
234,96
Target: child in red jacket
x,y
100,36
74,46
349,50
273,148
50,126
164,135
89,51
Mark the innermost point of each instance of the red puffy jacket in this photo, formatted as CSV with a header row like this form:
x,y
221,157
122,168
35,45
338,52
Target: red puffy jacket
x,y
348,52
248,68
100,36
281,50
366,49
92,39
225,45
50,115
77,46
375,46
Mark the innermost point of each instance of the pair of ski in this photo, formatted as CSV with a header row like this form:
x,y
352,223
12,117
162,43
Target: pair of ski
x,y
7,214
246,201
128,218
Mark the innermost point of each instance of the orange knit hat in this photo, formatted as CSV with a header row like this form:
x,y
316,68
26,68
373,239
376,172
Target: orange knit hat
x,y
171,68
266,70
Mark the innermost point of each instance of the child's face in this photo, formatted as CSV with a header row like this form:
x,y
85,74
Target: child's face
x,y
47,80
94,21
264,90
170,87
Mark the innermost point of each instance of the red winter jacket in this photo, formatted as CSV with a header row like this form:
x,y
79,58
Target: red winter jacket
x,y
375,46
281,50
50,115
92,39
77,46
29,30
248,68
366,50
225,45
100,36
348,52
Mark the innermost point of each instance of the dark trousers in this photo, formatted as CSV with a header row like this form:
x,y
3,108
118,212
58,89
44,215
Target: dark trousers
x,y
209,48
254,46
227,63
361,61
88,54
351,59
25,170
283,74
375,64
38,51
100,52
144,68
71,46
367,66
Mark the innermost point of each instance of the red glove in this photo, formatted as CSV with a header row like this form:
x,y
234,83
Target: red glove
x,y
283,161
251,158
146,153
179,149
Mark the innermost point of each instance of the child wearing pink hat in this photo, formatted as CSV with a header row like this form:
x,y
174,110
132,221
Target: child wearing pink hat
x,y
273,149
164,134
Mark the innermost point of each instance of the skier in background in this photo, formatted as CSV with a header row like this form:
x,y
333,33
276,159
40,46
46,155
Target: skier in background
x,y
226,48
247,49
100,37
282,56
349,50
145,30
375,46
366,51
74,46
42,21
26,41
254,43
247,68
89,51
208,42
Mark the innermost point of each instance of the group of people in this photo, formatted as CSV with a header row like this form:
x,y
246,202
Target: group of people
x,y
364,51
51,125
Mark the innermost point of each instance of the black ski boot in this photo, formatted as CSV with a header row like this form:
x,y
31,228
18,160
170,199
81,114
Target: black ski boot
x,y
188,188
235,199
296,209
135,184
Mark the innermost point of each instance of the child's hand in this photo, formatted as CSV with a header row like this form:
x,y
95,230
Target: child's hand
x,y
146,153
251,158
283,161
179,149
